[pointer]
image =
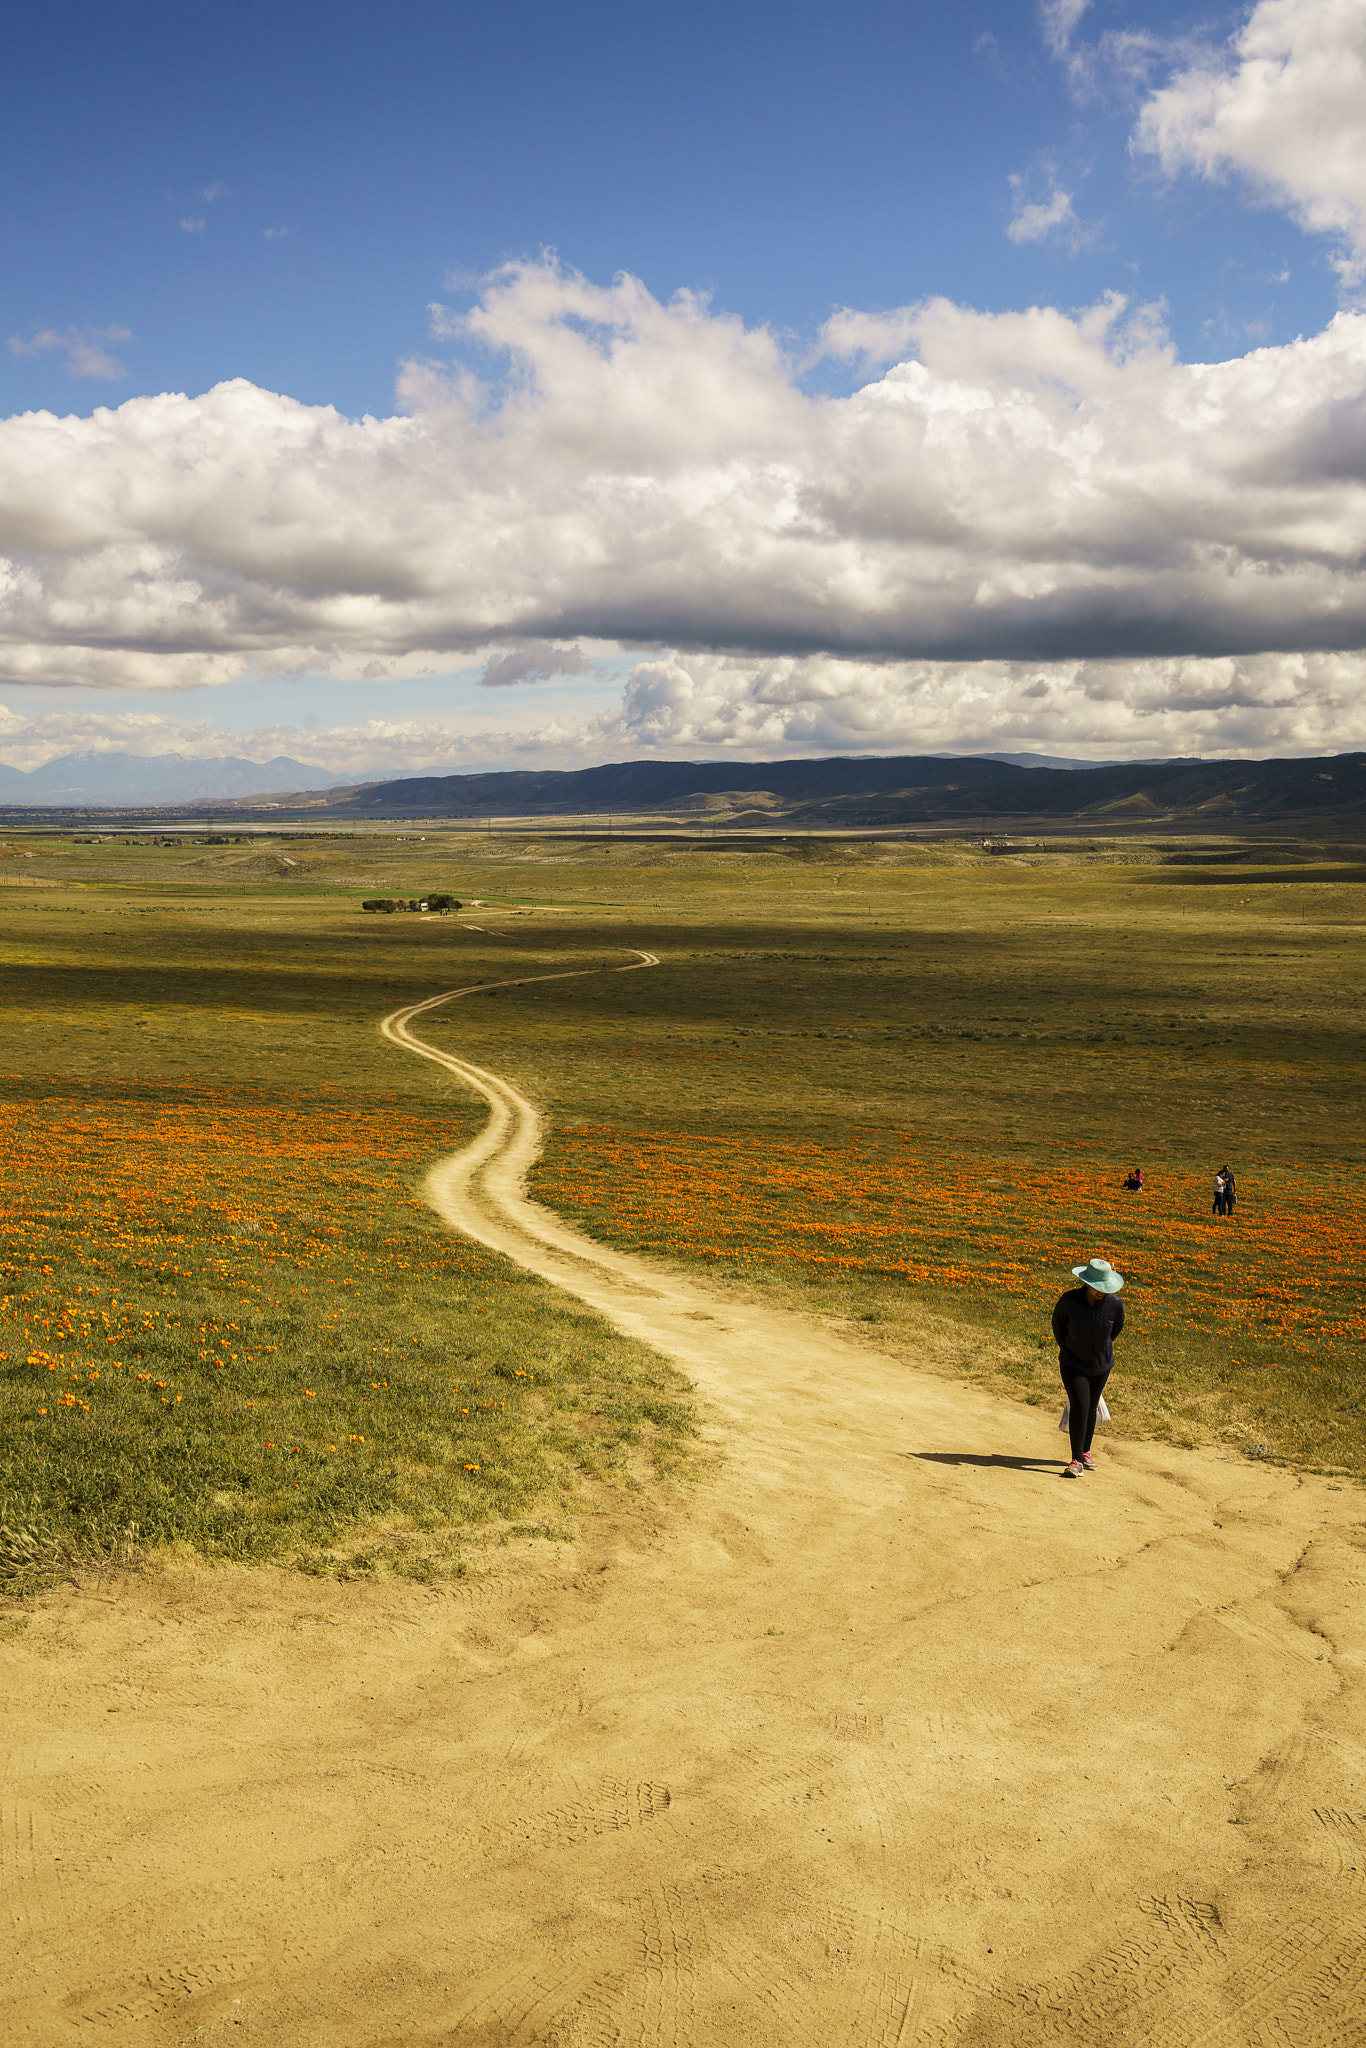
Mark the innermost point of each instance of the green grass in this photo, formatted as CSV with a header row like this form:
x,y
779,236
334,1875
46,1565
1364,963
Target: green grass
x,y
1168,1002
214,1160
229,1334
1171,1004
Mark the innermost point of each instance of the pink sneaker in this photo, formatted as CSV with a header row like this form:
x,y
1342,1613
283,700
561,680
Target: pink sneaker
x,y
1088,1461
1074,1470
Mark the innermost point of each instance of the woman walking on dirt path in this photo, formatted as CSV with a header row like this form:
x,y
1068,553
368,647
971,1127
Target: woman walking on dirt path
x,y
1086,1322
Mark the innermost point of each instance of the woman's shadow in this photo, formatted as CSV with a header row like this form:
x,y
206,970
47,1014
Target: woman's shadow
x,y
993,1462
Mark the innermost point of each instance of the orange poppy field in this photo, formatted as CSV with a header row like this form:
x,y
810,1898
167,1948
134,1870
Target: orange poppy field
x,y
1212,1304
228,1321
796,1664
1277,1277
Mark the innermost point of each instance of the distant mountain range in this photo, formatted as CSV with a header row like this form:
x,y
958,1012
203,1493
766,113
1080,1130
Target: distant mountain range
x,y
124,781
128,781
897,791
131,779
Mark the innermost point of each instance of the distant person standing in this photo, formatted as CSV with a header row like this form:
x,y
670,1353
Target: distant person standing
x,y
1230,1191
1086,1322
1221,1192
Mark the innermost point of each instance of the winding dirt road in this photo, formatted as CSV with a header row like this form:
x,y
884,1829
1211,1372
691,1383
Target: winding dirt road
x,y
886,1736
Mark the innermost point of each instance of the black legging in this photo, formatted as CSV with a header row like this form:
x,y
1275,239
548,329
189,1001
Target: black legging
x,y
1084,1390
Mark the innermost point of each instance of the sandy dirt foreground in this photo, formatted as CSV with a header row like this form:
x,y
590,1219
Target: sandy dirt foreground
x,y
888,1735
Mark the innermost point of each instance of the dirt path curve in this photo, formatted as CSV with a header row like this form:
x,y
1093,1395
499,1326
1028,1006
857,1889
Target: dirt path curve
x,y
887,1736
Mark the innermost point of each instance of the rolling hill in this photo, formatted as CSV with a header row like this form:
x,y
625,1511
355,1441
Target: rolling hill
x,y
873,792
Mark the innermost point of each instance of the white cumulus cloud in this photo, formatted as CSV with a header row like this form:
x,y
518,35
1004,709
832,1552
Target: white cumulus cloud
x,y
1282,105
372,748
1034,220
83,348
695,705
1116,62
1272,704
537,662
1041,488
1059,21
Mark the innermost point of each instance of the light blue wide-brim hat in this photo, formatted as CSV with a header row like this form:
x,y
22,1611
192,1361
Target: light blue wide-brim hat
x,y
1100,1274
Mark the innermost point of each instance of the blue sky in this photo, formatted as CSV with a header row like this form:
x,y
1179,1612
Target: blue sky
x,y
283,195
785,159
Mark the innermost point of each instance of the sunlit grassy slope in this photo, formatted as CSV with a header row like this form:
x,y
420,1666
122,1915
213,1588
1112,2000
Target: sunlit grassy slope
x,y
896,1076
227,1320
904,1081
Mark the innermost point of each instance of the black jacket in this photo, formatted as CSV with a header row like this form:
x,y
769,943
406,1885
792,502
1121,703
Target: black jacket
x,y
1086,1331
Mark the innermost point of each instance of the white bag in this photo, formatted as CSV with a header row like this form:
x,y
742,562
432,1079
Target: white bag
x,y
1102,1413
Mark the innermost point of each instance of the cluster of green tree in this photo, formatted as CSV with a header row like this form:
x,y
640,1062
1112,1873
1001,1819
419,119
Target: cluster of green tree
x,y
410,903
